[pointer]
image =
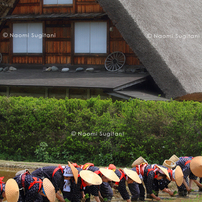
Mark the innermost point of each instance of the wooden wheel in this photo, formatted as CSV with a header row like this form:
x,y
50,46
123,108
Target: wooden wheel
x,y
0,57
115,61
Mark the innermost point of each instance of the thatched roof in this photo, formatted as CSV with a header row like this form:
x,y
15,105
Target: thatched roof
x,y
152,29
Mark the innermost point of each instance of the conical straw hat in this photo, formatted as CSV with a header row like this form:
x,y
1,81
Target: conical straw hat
x,y
164,170
110,174
196,166
132,175
91,177
74,171
169,164
179,176
49,190
174,158
12,191
138,161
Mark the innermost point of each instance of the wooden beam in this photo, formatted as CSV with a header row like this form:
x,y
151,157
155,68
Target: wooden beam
x,y
41,7
108,36
74,6
72,43
58,25
88,93
67,92
10,57
87,3
46,92
28,4
58,39
7,91
44,45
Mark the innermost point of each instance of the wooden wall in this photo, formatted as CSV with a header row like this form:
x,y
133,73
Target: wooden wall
x,y
60,49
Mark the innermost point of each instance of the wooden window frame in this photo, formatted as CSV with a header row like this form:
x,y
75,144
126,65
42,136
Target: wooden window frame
x,y
25,54
58,5
91,54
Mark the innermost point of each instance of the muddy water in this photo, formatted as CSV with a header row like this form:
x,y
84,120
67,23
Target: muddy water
x,y
194,196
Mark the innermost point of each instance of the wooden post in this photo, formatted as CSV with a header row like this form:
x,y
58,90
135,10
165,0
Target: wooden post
x,y
44,44
46,92
88,93
10,54
72,43
108,37
41,7
74,6
67,92
7,91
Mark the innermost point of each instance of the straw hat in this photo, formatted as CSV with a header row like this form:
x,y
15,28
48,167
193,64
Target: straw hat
x,y
179,176
91,177
169,164
12,191
74,171
196,166
164,170
138,161
49,190
110,174
174,158
133,175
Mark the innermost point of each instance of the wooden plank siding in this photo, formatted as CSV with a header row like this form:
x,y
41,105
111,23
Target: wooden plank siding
x,y
60,48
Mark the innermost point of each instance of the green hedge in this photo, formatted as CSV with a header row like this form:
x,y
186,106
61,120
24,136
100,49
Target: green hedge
x,y
99,131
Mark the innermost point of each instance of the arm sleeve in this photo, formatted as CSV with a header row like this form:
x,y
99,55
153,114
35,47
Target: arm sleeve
x,y
134,190
149,182
58,181
122,189
94,190
76,192
163,183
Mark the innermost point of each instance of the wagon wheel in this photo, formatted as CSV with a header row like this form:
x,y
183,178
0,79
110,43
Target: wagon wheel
x,y
115,61
0,57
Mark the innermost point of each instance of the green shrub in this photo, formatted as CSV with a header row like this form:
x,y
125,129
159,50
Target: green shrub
x,y
99,131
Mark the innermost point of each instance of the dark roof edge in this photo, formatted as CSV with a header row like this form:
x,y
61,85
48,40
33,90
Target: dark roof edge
x,y
147,54
55,15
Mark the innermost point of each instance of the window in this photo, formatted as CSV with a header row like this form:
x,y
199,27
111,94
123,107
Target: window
x,y
91,37
27,38
58,2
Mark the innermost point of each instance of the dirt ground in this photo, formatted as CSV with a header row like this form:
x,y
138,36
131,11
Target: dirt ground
x,y
21,164
17,165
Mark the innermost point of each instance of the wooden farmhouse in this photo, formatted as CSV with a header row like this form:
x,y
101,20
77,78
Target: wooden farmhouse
x,y
76,32
37,34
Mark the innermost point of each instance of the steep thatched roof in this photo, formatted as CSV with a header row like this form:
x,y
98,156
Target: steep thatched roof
x,y
166,35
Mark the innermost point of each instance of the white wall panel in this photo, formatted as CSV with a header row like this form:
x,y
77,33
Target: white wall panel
x,y
20,36
98,43
35,39
82,37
